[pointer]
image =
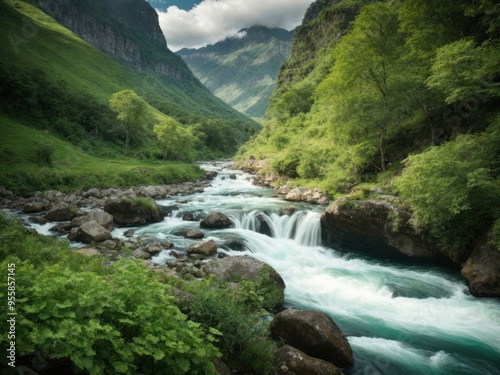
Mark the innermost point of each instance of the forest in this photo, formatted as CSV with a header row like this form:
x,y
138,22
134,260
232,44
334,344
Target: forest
x,y
403,95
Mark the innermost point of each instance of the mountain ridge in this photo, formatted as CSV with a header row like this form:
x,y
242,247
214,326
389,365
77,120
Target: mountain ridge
x,y
242,70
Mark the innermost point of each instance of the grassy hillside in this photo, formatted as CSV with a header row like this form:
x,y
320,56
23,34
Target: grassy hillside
x,y
242,71
55,82
34,160
385,101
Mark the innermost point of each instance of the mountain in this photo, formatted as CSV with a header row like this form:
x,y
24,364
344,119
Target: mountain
x,y
394,96
55,87
129,32
242,70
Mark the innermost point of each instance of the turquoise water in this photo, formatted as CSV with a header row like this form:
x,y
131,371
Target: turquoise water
x,y
400,318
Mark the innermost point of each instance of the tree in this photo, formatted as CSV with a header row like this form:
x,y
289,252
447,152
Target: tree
x,y
368,77
176,141
131,110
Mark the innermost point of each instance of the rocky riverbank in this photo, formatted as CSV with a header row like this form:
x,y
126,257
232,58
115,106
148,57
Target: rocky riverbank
x,y
382,225
281,185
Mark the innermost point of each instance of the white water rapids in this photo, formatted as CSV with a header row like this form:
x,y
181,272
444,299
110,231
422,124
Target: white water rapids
x,y
399,317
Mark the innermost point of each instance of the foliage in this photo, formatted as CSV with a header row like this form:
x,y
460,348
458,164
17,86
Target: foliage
x,y
177,142
236,314
495,235
452,189
131,110
106,320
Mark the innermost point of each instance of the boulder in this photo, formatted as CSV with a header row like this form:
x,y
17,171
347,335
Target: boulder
x,y
89,252
154,248
238,268
194,234
91,231
32,207
374,225
216,220
314,333
4,193
98,215
138,253
129,211
292,361
295,195
60,212
482,269
206,248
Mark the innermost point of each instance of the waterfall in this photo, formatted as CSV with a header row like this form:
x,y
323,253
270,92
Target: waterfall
x,y
303,226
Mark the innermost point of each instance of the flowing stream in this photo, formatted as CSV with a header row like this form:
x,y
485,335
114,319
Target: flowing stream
x,y
399,317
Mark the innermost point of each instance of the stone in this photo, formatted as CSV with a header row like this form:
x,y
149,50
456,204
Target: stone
x,y
206,248
239,268
98,215
295,195
129,233
314,333
92,231
154,248
90,252
38,220
32,207
194,234
109,244
216,220
482,269
232,176
128,211
375,225
60,212
293,361
4,193
138,253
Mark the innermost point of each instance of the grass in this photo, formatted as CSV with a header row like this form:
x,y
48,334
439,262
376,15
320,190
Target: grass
x,y
71,168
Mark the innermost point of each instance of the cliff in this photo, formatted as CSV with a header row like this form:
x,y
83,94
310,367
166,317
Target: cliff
x,y
128,30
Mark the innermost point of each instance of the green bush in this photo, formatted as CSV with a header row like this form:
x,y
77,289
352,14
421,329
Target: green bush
x,y
453,189
105,320
237,314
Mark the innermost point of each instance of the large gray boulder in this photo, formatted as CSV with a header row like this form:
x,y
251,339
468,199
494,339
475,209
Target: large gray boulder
x,y
133,211
98,215
92,231
482,269
314,333
216,220
239,268
375,224
293,361
206,248
60,212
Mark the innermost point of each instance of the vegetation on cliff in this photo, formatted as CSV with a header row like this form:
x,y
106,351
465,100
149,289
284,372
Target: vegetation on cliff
x,y
375,90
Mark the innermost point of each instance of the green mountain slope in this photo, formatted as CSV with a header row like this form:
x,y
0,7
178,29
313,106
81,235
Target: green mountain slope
x,y
242,71
369,84
52,80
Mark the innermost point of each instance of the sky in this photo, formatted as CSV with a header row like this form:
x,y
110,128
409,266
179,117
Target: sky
x,y
197,23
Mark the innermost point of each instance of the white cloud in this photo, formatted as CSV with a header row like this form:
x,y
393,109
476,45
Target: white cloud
x,y
214,20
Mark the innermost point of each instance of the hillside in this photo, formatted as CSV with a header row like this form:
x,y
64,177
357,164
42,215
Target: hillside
x,y
401,97
242,71
55,82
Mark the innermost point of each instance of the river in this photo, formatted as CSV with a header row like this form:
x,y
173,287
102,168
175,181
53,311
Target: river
x,y
399,317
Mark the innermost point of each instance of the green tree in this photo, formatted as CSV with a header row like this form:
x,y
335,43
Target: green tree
x,y
367,80
453,189
176,141
131,111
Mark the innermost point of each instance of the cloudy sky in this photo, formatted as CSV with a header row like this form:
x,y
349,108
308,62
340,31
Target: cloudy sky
x,y
197,23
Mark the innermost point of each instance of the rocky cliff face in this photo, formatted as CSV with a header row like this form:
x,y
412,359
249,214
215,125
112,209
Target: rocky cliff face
x,y
377,224
128,30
